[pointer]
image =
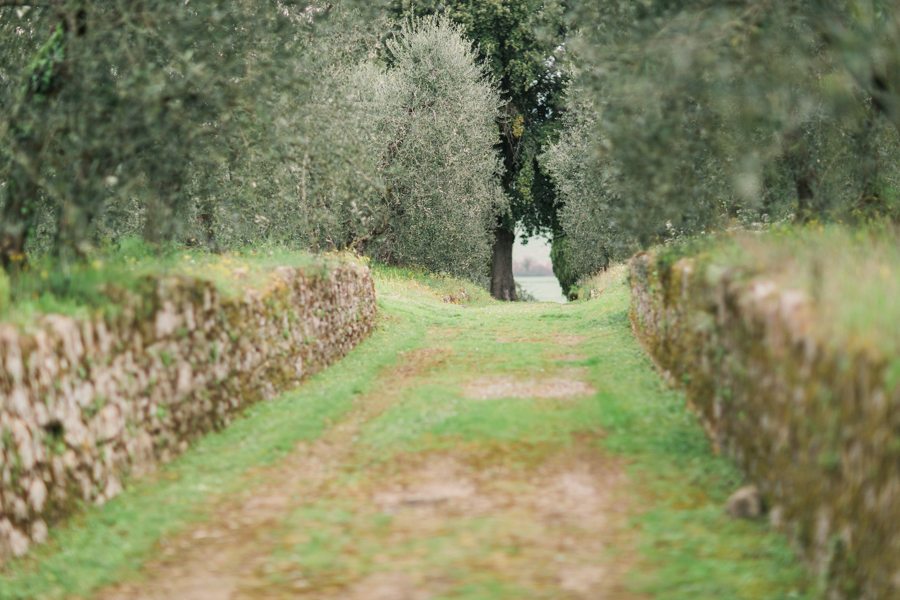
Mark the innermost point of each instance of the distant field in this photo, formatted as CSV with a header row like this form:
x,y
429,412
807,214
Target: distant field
x,y
545,289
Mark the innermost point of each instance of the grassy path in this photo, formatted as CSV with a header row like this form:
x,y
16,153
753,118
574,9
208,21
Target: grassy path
x,y
487,451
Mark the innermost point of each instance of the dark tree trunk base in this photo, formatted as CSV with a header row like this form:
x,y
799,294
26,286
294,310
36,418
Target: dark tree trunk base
x,y
16,219
503,286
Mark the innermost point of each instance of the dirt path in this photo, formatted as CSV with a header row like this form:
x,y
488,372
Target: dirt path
x,y
476,519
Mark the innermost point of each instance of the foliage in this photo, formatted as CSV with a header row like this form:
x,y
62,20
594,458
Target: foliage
x,y
561,258
153,118
265,125
520,40
304,185
695,114
589,236
523,295
432,113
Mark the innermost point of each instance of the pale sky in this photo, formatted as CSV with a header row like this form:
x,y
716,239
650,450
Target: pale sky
x,y
538,249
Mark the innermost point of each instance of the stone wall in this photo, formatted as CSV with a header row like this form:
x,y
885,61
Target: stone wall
x,y
814,423
85,402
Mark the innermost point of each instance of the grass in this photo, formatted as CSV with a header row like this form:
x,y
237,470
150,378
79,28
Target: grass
x,y
416,364
399,281
852,276
105,544
84,287
691,550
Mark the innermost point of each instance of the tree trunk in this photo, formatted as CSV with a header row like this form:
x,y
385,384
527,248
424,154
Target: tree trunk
x,y
803,170
503,286
208,224
805,195
17,218
160,216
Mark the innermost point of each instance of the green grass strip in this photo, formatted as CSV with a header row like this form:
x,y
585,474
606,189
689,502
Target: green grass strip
x,y
104,545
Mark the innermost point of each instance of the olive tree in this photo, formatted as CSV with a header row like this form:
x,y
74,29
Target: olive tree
x,y
520,41
302,184
174,120
701,113
432,113
587,205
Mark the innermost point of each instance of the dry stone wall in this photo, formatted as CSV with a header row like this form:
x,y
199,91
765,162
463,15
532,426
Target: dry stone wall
x,y
86,402
815,424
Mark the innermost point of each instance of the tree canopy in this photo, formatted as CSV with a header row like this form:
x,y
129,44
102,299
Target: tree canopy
x,y
433,113
225,124
522,40
151,117
357,125
695,114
